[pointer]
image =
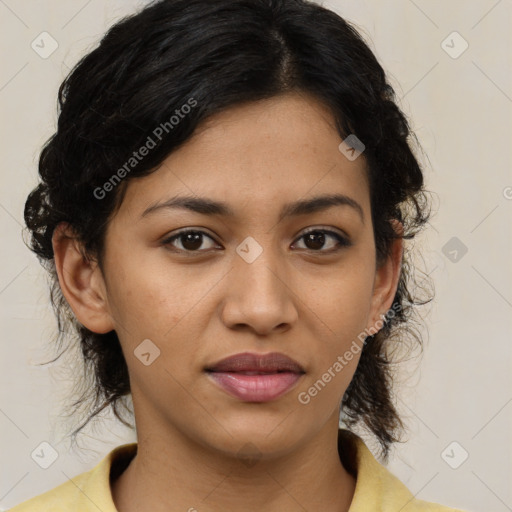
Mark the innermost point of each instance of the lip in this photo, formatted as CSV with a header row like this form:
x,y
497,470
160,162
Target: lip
x,y
255,377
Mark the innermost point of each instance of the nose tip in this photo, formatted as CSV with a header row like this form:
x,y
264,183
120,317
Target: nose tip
x,y
258,295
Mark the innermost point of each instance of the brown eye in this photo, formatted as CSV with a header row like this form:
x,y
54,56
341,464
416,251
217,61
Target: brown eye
x,y
190,240
315,240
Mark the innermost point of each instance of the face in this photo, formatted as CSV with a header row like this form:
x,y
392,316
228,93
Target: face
x,y
185,287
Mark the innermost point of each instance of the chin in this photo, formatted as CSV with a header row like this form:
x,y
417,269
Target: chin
x,y
264,437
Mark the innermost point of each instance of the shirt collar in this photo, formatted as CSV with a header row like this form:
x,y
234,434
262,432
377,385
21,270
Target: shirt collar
x,y
377,489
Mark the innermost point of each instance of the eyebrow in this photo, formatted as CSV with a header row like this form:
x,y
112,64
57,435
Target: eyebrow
x,y
207,206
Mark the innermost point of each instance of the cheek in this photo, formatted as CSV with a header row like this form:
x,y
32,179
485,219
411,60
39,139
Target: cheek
x,y
322,393
149,298
341,306
154,302
342,297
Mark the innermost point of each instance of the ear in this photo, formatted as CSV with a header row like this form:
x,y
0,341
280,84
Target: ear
x,y
81,281
386,279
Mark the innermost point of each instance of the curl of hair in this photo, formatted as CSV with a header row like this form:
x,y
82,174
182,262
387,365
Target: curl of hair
x,y
221,54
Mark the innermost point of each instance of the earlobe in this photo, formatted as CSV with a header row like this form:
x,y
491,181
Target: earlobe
x,y
387,277
81,281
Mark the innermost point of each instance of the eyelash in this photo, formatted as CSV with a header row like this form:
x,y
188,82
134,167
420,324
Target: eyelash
x,y
342,241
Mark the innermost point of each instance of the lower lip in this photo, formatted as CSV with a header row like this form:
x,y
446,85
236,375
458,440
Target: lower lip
x,y
255,388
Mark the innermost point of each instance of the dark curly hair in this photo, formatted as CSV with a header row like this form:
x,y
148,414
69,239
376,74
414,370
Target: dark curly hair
x,y
222,53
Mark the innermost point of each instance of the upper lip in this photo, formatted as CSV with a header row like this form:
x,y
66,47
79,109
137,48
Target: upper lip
x,y
252,362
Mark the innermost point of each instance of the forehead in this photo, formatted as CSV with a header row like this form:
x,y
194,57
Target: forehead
x,y
258,156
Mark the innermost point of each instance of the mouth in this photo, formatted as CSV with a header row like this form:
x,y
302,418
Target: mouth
x,y
254,377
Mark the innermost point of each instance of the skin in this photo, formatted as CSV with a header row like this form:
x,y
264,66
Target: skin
x,y
306,301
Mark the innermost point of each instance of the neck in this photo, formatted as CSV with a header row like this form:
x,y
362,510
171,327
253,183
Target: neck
x,y
175,473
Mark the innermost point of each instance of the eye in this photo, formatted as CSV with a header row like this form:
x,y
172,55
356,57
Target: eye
x,y
315,239
190,240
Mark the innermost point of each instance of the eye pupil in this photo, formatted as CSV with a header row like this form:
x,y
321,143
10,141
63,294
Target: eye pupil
x,y
317,238
191,240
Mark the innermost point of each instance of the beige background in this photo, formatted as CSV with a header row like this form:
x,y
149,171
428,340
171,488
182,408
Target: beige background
x,y
461,110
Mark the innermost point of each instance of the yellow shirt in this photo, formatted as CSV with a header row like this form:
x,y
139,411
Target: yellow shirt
x,y
377,489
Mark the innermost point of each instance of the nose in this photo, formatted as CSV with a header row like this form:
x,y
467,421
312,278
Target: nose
x,y
259,296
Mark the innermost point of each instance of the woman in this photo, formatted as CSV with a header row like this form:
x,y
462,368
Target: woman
x,y
223,210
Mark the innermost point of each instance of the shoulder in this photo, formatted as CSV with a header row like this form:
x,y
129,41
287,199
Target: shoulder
x,y
89,491
377,489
